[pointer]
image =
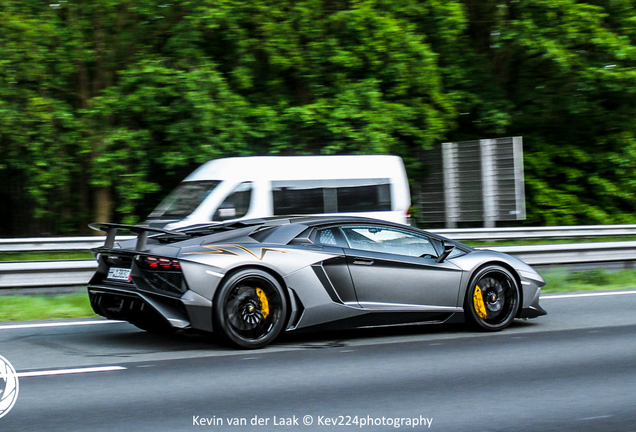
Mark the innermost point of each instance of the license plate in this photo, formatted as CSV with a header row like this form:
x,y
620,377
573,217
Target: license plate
x,y
122,274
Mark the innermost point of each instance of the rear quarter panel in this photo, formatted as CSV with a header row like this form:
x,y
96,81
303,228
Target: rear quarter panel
x,y
206,266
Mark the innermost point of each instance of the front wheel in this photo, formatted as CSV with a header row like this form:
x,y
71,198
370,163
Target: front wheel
x,y
250,309
492,299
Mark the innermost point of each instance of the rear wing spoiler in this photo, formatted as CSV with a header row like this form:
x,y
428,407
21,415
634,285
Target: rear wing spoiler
x,y
141,231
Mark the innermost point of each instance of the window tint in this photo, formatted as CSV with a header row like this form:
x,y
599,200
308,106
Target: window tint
x,y
364,198
184,199
289,200
236,204
331,196
388,240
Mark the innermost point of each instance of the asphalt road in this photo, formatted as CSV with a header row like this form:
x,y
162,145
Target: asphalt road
x,y
572,370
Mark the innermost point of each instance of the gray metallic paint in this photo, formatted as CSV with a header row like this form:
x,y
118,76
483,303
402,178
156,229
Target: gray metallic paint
x,y
310,272
404,279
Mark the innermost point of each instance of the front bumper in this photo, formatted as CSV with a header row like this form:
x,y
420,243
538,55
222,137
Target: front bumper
x,y
533,310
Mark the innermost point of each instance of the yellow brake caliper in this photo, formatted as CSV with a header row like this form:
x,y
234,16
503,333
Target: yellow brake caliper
x,y
478,301
264,303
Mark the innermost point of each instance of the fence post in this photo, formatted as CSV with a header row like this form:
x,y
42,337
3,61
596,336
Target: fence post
x,y
488,181
451,187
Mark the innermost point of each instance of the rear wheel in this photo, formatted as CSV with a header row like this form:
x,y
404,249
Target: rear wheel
x,y
250,309
492,299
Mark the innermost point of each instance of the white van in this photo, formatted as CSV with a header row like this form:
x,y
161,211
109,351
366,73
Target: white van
x,y
251,187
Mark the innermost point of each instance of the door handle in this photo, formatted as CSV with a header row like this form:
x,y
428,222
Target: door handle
x,y
363,261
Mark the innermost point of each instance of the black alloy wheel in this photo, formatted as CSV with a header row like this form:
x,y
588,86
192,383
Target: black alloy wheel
x,y
492,299
250,309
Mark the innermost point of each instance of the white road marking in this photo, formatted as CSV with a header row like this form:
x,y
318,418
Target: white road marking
x,y
103,321
595,418
593,294
57,324
70,371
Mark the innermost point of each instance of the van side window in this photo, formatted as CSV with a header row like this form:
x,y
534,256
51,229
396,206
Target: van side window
x,y
236,204
296,200
364,198
331,196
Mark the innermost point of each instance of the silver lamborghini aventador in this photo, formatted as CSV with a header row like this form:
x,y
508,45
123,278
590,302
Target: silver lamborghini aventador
x,y
249,281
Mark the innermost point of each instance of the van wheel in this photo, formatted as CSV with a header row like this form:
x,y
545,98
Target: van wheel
x,y
250,309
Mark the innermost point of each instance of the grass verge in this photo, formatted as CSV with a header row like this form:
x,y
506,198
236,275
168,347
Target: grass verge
x,y
45,256
43,307
559,280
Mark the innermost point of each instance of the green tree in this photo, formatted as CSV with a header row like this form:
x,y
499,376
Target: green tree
x,y
147,88
565,70
106,104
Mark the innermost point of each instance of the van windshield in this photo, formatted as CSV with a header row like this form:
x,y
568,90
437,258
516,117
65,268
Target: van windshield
x,y
184,199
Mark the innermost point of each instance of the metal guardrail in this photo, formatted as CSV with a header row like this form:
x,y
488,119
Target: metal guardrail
x,y
34,274
526,233
78,272
463,234
572,253
51,244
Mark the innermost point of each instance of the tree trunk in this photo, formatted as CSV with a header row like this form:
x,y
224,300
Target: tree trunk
x,y
103,204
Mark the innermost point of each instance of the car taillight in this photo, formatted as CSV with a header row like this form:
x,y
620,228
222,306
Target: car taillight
x,y
161,263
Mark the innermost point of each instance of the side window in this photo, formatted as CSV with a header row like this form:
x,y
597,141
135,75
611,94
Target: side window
x,y
301,198
236,204
331,196
184,199
365,198
326,237
388,240
330,237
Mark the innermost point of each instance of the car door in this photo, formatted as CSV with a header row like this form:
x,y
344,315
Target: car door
x,y
394,269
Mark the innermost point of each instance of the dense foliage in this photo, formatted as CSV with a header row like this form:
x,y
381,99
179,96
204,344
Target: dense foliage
x,y
105,105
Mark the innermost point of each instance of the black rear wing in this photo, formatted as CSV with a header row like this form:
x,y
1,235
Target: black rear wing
x,y
142,233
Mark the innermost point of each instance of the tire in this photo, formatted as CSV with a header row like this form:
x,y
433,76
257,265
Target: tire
x,y
250,309
492,299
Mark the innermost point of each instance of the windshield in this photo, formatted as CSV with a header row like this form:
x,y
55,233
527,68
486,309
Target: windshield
x,y
184,199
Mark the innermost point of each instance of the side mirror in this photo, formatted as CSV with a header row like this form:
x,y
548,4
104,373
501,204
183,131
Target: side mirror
x,y
226,211
448,248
